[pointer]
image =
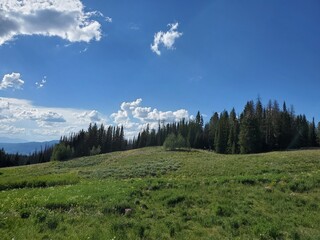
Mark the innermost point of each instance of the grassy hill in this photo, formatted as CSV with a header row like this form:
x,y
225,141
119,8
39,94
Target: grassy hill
x,y
153,194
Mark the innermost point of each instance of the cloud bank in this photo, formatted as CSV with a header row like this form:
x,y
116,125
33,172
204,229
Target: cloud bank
x,y
61,18
20,118
167,39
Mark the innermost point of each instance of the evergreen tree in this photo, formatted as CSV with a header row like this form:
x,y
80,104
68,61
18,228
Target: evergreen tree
x,y
260,125
285,126
276,122
249,130
192,133
213,125
233,141
318,134
269,128
301,132
198,141
312,135
222,133
206,136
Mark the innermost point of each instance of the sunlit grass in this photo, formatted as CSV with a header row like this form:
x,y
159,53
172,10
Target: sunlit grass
x,y
170,195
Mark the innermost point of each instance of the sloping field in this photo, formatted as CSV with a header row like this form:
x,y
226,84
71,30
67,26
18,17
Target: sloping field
x,y
153,194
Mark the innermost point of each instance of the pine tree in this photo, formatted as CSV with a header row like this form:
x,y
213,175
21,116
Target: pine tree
x,y
249,129
192,133
276,122
312,136
285,123
206,136
221,138
259,122
233,141
198,141
213,124
269,128
318,134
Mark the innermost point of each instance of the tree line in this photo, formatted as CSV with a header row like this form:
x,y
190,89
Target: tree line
x,y
256,129
10,160
96,140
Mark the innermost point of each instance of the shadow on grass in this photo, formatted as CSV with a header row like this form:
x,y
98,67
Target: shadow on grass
x,y
181,150
40,182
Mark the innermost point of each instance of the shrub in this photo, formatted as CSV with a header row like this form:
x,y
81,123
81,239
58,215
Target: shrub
x,y
61,152
174,142
95,150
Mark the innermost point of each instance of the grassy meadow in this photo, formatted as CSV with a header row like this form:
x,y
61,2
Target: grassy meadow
x,y
150,193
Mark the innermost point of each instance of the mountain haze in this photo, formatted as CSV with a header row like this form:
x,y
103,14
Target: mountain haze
x,y
27,147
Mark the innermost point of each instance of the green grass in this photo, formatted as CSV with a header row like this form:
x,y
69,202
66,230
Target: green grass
x,y
172,195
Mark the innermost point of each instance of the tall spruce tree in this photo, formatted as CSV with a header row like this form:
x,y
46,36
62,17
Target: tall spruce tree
x,y
285,128
318,134
213,125
222,133
312,135
269,128
233,141
260,124
249,130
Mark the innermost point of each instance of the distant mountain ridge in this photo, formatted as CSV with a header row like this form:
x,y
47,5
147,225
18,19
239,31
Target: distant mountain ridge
x,y
27,147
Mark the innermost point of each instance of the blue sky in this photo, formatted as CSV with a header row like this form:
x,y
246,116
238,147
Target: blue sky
x,y
92,61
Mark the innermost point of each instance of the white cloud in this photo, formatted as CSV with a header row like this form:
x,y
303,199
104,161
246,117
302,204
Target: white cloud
x,y
37,123
51,117
108,19
135,117
100,14
61,18
42,82
131,105
120,117
7,130
12,80
167,39
92,116
141,112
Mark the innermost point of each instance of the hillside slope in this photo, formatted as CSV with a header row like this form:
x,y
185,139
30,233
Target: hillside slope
x,y
153,194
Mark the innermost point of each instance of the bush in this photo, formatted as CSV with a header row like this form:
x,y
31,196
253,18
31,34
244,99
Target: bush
x,y
62,152
174,142
95,150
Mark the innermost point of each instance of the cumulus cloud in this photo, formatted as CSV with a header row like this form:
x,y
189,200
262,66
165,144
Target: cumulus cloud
x,y
61,18
12,80
92,116
135,117
20,118
167,39
125,106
